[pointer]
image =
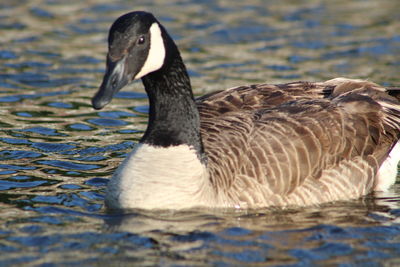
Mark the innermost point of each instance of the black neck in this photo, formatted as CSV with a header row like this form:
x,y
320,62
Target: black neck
x,y
173,118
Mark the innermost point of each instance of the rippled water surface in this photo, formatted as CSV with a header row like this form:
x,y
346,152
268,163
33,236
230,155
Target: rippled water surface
x,y
57,153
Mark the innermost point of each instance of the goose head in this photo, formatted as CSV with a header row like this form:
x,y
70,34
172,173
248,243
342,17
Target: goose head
x,y
137,45
140,48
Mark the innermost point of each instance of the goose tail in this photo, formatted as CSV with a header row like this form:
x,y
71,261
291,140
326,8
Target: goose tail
x,y
394,92
388,171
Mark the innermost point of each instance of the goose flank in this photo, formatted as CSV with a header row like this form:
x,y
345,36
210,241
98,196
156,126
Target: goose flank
x,y
295,144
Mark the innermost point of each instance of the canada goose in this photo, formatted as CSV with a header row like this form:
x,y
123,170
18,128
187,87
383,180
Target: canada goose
x,y
262,145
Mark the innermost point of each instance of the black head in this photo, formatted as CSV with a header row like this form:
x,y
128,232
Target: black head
x,y
136,47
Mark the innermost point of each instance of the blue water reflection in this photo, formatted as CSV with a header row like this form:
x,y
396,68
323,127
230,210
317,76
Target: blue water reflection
x,y
57,153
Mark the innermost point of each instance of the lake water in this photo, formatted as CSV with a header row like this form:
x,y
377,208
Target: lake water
x,y
57,153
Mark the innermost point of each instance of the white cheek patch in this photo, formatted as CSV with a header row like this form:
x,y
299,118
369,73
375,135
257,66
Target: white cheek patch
x,y
156,55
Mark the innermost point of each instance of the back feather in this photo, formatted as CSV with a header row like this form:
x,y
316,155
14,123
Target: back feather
x,y
299,143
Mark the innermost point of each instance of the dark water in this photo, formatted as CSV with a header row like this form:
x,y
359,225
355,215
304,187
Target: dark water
x,y
57,153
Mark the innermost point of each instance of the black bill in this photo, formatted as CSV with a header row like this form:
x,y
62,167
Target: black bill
x,y
114,79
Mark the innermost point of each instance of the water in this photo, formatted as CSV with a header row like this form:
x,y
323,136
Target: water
x,y
57,153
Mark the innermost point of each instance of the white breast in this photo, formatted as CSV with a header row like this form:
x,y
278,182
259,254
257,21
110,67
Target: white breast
x,y
157,177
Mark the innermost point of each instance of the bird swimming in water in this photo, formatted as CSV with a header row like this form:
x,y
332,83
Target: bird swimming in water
x,y
252,146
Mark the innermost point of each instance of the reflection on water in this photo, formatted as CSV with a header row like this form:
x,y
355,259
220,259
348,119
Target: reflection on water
x,y
56,152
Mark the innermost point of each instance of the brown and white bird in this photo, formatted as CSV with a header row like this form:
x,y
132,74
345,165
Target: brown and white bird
x,y
262,145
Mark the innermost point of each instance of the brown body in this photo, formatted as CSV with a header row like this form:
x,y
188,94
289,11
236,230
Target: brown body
x,y
254,146
299,143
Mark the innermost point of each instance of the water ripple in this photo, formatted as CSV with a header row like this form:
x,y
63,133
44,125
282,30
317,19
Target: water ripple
x,y
42,131
67,165
57,153
52,147
18,154
7,185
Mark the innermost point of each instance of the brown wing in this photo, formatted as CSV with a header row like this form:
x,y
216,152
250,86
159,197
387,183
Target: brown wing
x,y
272,142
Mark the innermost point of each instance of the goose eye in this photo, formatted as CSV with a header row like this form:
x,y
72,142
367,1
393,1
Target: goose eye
x,y
141,40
